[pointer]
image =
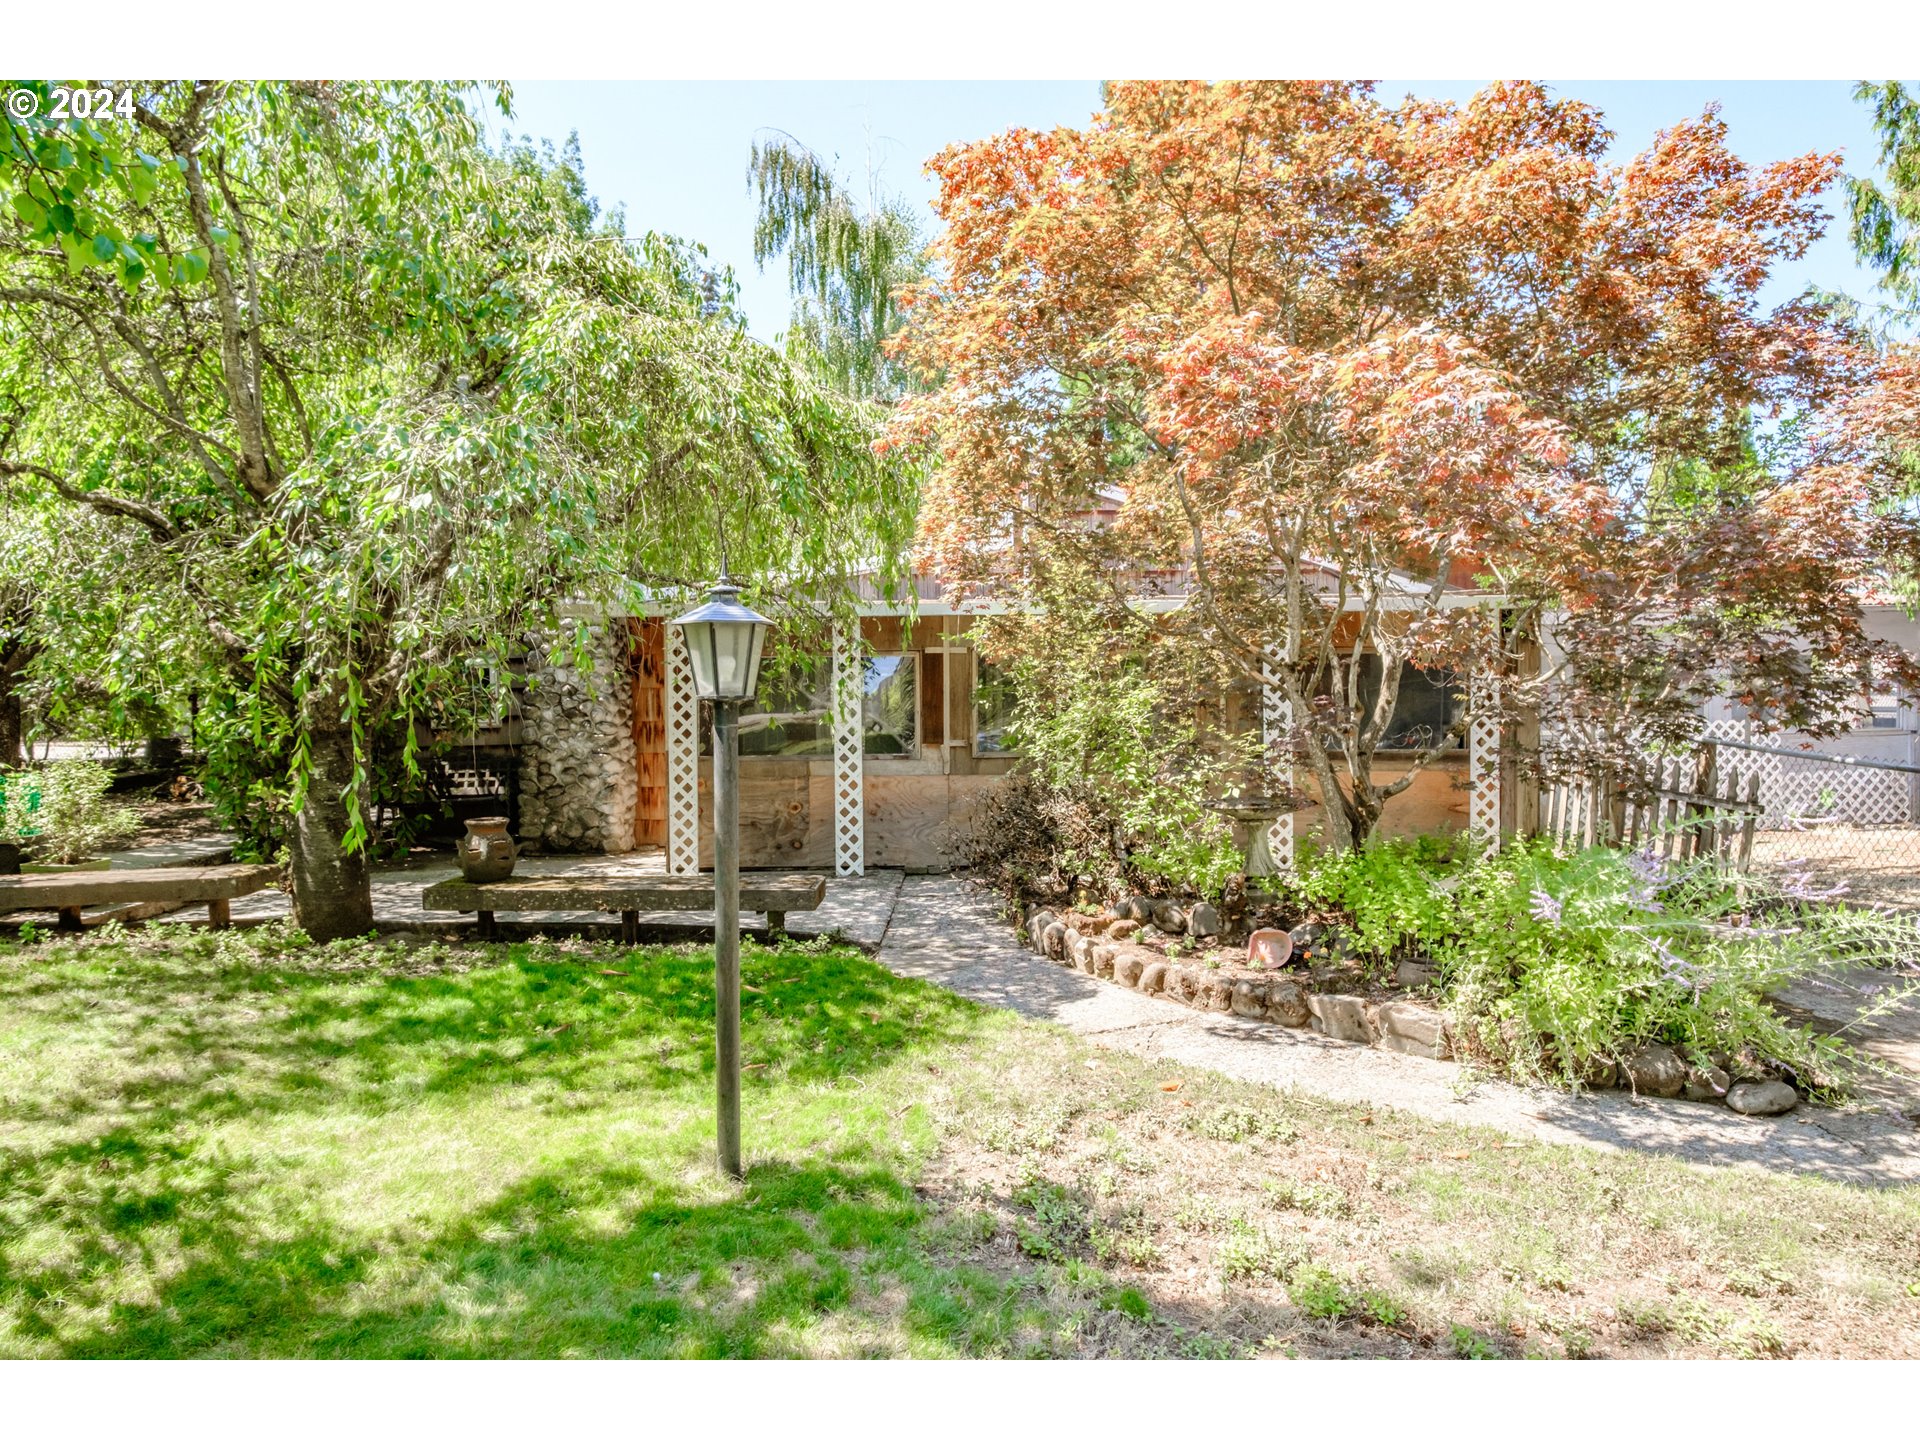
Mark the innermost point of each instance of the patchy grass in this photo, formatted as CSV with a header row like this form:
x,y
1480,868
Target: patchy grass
x,y
238,1144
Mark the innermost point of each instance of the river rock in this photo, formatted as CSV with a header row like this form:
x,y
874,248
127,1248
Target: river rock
x,y
1123,929
1413,975
1215,992
1287,1004
1053,941
1762,1097
1170,918
1706,1082
1411,1029
1037,924
1153,977
1203,921
1655,1070
1103,954
1135,907
1249,1000
1127,966
1341,1017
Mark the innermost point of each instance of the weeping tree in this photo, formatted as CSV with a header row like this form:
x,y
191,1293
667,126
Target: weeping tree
x,y
1886,218
848,263
369,401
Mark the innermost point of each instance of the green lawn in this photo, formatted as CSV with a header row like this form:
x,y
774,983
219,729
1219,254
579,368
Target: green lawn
x,y
229,1144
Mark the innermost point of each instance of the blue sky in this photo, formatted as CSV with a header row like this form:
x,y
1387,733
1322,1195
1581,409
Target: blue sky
x,y
675,153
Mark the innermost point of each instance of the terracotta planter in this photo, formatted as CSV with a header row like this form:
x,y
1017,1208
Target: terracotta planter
x,y
486,852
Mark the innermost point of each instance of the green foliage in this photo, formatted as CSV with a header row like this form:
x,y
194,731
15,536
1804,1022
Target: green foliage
x,y
1250,1253
375,401
1119,766
1389,892
1886,221
60,812
846,265
1550,965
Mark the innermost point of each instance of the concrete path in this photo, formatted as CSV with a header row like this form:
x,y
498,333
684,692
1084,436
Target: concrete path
x,y
945,930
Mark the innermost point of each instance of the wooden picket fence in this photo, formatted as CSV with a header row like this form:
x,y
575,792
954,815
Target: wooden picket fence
x,y
1682,807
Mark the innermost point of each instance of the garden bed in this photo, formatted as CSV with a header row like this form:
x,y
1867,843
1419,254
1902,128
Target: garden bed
x,y
1346,1002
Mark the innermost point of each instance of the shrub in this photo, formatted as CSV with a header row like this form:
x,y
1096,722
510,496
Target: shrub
x,y
60,812
1117,770
1390,891
1551,964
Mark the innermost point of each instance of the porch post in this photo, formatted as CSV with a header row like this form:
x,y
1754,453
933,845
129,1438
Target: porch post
x,y
849,797
1483,750
683,759
1276,719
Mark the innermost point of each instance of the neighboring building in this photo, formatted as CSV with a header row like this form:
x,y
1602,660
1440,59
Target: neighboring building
x,y
1862,795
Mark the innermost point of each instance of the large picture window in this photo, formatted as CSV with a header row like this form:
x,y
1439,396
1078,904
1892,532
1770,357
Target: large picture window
x,y
792,713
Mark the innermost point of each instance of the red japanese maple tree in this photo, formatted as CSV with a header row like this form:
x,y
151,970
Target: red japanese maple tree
x,y
1346,368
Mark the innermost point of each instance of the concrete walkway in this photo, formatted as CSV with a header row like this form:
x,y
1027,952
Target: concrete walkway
x,y
945,930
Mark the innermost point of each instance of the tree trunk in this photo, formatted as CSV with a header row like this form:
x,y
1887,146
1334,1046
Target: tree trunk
x,y
12,719
332,890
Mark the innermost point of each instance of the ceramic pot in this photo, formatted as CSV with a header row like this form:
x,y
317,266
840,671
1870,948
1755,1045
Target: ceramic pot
x,y
486,851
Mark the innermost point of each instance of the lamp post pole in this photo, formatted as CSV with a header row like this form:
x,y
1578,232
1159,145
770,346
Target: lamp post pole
x,y
726,931
723,641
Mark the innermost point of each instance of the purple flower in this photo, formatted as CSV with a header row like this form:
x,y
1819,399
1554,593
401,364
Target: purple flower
x,y
1545,908
1674,968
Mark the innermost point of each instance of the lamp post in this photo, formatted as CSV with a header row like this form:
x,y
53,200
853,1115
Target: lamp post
x,y
723,640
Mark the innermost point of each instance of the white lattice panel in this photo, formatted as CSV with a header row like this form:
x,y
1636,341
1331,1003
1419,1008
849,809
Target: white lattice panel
x,y
683,759
1792,788
849,797
1483,759
1276,720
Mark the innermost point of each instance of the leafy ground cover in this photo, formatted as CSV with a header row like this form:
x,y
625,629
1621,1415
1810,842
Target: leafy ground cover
x,y
242,1144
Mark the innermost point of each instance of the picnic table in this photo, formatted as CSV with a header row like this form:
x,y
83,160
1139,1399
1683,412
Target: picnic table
x,y
68,892
627,895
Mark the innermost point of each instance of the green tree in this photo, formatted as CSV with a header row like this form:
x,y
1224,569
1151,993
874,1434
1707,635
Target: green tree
x,y
847,264
1886,219
374,400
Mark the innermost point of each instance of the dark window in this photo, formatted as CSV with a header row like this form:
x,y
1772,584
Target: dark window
x,y
1426,705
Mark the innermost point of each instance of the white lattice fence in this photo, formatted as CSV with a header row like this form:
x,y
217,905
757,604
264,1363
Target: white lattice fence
x,y
1791,787
849,797
1483,759
1276,719
683,759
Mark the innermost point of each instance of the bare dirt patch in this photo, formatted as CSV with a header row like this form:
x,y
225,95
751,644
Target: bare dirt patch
x,y
1243,1222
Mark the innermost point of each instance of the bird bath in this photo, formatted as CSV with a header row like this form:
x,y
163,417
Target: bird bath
x,y
1252,818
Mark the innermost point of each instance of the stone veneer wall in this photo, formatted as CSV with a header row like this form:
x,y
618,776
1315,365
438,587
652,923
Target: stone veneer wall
x,y
578,782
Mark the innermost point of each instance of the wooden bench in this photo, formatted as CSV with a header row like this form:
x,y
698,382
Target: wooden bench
x,y
776,895
69,892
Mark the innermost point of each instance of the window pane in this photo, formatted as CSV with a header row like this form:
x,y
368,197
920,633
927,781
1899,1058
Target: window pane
x,y
1422,710
890,708
792,713
992,710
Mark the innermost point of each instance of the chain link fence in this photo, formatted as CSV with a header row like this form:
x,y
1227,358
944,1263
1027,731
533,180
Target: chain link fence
x,y
1848,824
